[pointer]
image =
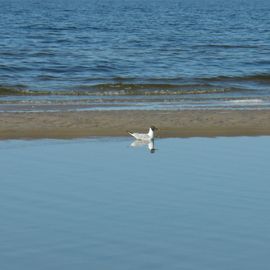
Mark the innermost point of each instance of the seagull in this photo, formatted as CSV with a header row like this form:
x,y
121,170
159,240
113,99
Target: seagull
x,y
144,136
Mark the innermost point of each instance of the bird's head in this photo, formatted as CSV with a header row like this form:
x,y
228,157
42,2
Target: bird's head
x,y
153,128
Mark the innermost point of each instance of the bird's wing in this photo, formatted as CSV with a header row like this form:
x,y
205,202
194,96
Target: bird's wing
x,y
132,134
140,136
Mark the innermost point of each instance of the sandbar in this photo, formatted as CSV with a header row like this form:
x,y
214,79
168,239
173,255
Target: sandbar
x,y
189,123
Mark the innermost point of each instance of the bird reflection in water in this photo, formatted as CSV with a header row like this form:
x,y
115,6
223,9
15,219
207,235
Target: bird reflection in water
x,y
150,145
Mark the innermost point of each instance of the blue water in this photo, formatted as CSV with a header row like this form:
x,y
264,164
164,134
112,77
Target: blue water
x,y
196,203
181,49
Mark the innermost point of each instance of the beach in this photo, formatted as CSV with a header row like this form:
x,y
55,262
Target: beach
x,y
197,123
77,191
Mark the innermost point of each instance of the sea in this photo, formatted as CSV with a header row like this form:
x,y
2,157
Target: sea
x,y
134,54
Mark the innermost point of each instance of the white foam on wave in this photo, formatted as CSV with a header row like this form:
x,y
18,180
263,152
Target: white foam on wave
x,y
245,101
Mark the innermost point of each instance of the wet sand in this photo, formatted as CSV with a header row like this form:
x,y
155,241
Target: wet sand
x,y
116,123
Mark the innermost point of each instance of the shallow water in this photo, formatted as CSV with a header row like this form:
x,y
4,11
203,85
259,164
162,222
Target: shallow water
x,y
200,203
184,49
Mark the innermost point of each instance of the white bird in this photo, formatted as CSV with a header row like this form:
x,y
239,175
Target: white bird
x,y
144,136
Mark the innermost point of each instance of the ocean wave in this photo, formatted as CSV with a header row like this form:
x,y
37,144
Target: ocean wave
x,y
245,101
156,86
120,89
263,78
4,91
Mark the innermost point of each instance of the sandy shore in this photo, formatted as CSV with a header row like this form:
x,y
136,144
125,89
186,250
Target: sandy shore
x,y
116,123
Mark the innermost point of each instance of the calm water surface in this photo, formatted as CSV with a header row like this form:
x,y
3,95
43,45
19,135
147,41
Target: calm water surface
x,y
169,54
101,204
